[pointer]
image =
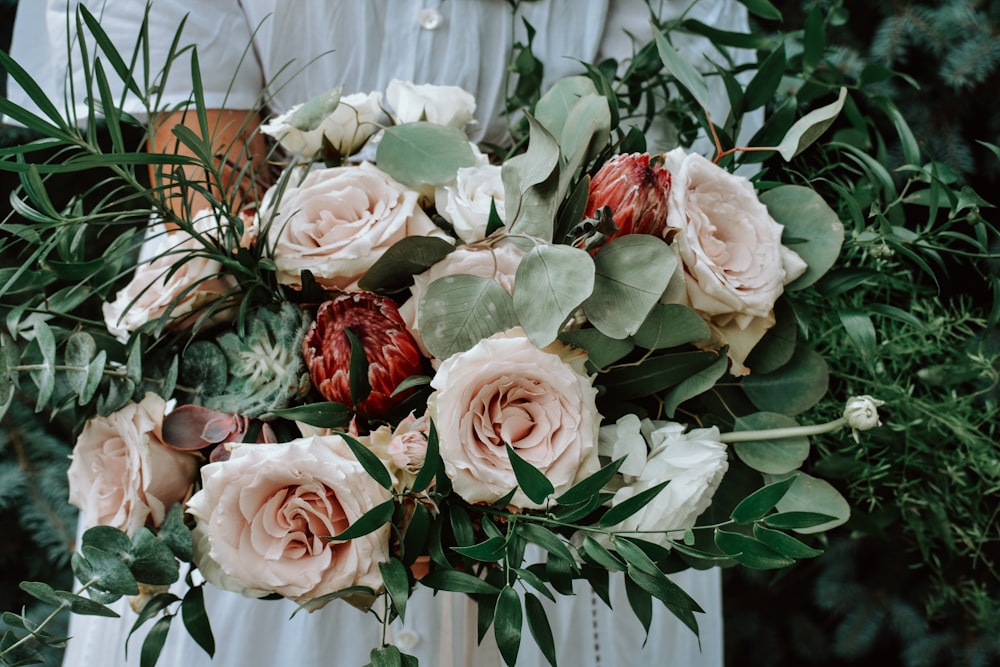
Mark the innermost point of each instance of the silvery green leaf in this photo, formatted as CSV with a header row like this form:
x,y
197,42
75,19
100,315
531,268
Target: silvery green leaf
x,y
45,378
812,495
551,282
312,113
696,384
812,229
80,351
532,204
417,154
793,388
555,106
586,132
601,350
670,325
464,309
770,456
808,129
632,273
687,76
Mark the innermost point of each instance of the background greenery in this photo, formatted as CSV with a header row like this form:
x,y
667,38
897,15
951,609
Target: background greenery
x,y
912,580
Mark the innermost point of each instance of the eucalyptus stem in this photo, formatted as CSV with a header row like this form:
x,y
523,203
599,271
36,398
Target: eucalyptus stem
x,y
787,432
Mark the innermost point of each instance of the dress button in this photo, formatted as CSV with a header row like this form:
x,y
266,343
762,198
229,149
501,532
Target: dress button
x,y
407,640
429,19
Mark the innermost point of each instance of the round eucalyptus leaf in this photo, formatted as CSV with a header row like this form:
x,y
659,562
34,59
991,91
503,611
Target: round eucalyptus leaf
x,y
632,273
774,456
417,154
551,282
776,347
601,350
80,351
464,310
812,229
793,388
670,325
204,367
555,105
810,494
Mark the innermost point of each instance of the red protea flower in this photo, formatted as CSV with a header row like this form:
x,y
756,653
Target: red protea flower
x,y
636,189
391,351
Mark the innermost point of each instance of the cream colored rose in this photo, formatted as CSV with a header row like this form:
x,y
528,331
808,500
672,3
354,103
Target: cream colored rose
x,y
733,265
693,462
265,513
337,222
122,475
441,105
466,201
345,122
499,262
174,279
507,391
402,449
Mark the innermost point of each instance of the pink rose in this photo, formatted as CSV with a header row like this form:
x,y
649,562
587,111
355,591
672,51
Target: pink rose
x,y
264,514
337,222
507,391
499,262
122,475
402,449
734,266
176,281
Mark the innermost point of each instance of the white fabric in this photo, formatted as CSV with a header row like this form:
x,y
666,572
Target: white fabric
x,y
303,47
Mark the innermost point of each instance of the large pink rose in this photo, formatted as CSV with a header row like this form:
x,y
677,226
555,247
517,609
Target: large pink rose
x,y
122,475
498,262
264,514
337,222
734,265
507,391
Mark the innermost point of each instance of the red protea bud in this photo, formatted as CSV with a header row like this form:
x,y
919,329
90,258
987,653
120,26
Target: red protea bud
x,y
635,189
391,351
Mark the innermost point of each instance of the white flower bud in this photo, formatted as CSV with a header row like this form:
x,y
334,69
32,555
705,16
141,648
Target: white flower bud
x,y
861,414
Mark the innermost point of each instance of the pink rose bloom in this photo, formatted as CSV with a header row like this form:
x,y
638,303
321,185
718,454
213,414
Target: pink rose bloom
x,y
402,449
337,222
734,266
175,279
506,390
263,515
499,262
122,475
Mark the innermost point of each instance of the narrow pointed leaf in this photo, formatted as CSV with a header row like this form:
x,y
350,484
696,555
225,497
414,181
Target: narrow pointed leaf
x,y
369,522
196,619
397,583
530,479
538,624
507,622
627,508
369,461
761,501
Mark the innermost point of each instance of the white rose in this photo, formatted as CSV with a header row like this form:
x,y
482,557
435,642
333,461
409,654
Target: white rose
x,y
337,222
733,265
441,105
122,475
499,262
466,201
502,391
265,512
346,123
693,462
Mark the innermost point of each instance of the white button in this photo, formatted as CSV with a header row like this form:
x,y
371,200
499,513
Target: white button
x,y
429,19
407,640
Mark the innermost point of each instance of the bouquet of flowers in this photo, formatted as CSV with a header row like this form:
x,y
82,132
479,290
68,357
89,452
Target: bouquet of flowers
x,y
414,360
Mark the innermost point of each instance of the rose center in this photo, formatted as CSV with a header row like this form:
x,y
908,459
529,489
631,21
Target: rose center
x,y
296,519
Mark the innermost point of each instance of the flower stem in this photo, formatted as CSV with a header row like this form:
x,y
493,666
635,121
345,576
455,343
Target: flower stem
x,y
780,433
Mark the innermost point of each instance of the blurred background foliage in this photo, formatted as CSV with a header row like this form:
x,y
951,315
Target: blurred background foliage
x,y
912,579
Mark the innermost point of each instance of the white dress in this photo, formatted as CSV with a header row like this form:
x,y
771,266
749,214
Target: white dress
x,y
302,47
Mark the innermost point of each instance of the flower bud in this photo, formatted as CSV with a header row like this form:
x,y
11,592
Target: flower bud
x,y
861,414
636,190
391,352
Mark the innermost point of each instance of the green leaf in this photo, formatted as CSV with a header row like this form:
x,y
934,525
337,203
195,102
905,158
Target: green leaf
x,y
321,415
77,603
310,115
46,377
687,76
360,387
547,540
507,622
488,551
591,485
538,624
418,154
152,560
108,572
152,646
411,255
152,608
809,494
465,309
204,367
776,456
627,508
680,604
531,179
670,325
369,522
797,520
641,602
762,8
458,582
532,481
695,385
196,619
601,350
808,129
812,229
175,534
861,331
793,388
656,374
596,552
397,583
551,282
632,273
761,501
765,82
386,656
432,461
749,552
786,545
369,461
778,344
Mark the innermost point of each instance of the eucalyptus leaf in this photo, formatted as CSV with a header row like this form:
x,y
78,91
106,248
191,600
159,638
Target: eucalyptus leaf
x,y
524,176
587,130
418,154
810,494
812,229
655,374
670,325
411,255
152,560
695,385
554,107
106,571
602,351
774,456
45,378
793,388
808,129
465,309
551,282
632,273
